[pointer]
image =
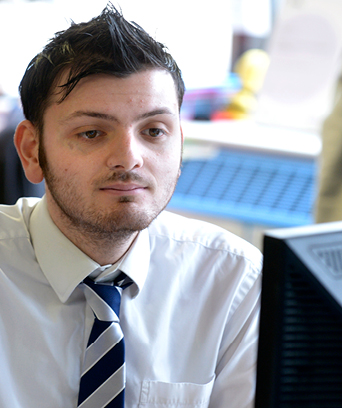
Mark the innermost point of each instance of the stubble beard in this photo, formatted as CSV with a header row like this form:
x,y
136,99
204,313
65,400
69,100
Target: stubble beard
x,y
94,223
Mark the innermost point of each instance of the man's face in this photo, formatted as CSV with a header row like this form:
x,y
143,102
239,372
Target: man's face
x,y
111,153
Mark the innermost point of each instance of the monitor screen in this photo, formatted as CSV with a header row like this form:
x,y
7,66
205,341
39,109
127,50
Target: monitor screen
x,y
300,344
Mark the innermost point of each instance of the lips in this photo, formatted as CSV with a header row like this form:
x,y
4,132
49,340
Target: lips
x,y
123,187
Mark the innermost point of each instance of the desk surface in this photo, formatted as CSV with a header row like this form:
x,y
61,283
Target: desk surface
x,y
248,134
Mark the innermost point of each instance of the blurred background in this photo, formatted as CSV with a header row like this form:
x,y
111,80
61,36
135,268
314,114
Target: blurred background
x,y
261,79
198,33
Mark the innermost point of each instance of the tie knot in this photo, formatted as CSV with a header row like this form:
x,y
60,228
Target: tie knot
x,y
103,299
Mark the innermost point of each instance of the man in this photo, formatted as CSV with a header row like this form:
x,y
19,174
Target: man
x,y
102,128
328,206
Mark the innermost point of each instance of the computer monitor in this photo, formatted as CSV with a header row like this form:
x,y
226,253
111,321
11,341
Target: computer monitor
x,y
300,344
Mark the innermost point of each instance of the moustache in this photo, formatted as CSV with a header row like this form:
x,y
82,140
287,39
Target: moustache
x,y
123,176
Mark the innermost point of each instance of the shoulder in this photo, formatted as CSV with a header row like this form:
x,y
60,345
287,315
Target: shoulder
x,y
211,238
14,219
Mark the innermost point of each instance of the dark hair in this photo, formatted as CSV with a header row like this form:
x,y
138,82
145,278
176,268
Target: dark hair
x,y
106,44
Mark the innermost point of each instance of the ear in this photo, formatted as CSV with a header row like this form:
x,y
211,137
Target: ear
x,y
26,141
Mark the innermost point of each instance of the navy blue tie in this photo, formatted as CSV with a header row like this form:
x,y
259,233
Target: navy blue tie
x,y
104,375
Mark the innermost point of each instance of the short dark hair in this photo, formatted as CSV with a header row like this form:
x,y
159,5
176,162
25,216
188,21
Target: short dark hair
x,y
106,44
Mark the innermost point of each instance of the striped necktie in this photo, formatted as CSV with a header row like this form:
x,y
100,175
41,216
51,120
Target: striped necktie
x,y
103,378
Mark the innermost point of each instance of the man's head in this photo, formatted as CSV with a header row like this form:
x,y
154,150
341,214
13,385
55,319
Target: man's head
x,y
107,44
102,127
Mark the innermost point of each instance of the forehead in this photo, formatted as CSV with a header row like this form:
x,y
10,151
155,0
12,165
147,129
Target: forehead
x,y
128,100
150,83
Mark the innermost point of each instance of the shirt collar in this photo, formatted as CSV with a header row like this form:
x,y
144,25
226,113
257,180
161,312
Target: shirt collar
x,y
65,266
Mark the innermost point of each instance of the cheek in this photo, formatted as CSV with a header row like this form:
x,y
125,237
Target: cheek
x,y
167,168
169,158
69,169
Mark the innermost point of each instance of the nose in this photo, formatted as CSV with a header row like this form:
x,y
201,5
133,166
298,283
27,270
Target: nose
x,y
125,152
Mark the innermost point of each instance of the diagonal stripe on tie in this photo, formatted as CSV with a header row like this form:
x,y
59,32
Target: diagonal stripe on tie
x,y
100,347
103,379
104,368
111,395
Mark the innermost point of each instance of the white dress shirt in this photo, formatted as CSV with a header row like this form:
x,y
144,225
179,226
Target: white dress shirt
x,y
190,319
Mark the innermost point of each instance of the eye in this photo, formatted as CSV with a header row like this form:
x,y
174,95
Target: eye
x,y
154,132
90,134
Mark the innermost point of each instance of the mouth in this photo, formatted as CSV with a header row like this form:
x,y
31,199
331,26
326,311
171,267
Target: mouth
x,y
127,188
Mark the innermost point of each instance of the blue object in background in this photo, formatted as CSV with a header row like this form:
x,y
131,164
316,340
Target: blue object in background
x,y
249,187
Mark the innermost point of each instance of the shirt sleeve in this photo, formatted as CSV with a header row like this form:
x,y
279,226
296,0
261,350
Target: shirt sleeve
x,y
234,386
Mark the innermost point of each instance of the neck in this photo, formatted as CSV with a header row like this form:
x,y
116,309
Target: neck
x,y
104,247
103,250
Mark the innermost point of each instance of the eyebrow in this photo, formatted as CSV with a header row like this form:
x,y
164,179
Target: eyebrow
x,y
113,118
